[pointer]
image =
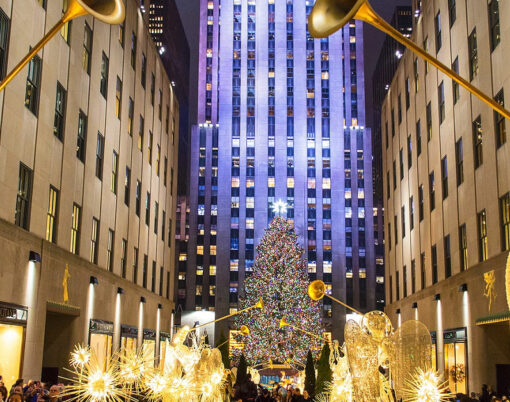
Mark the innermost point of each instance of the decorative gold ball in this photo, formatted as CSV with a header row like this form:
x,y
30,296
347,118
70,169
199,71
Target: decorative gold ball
x,y
316,290
377,325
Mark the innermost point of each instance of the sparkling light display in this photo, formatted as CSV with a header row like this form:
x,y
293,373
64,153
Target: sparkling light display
x,y
425,386
80,356
279,207
280,278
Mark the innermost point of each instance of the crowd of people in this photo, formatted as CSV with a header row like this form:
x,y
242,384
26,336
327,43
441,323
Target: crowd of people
x,y
487,395
32,391
247,391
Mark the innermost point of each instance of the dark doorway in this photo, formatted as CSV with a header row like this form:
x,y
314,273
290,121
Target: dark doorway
x,y
503,378
57,345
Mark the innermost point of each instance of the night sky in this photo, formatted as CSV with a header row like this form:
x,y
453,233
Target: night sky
x,y
189,10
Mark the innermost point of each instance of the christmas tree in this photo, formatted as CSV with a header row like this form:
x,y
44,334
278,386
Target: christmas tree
x,y
280,278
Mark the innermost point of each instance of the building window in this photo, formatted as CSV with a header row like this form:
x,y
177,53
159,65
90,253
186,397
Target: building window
x,y
416,76
170,233
141,133
395,228
399,109
94,239
459,162
397,285
447,257
144,70
131,110
432,191
87,48
163,223
147,208
413,276
122,33
455,85
115,172
168,284
408,91
418,138
437,26
452,12
118,97
422,271
103,83
82,134
434,264
421,203
482,235
463,247
401,163
411,213
135,265
123,258
165,171
504,203
429,121
109,250
127,186
394,175
156,217
153,277
33,80
473,55
99,156
403,219
444,177
133,50
144,272
4,42
160,104
494,31
138,197
404,280
477,141
65,30
75,229
440,100
409,152
24,197
42,3
153,88
51,219
158,157
161,274
499,120
60,109
149,153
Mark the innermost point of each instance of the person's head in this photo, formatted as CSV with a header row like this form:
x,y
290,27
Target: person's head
x,y
297,391
248,377
305,394
18,390
265,392
54,390
19,381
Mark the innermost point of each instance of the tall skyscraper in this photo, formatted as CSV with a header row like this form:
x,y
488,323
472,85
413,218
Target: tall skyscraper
x,y
280,117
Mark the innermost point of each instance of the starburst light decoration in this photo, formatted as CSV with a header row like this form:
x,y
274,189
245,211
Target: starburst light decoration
x,y
80,356
425,386
279,207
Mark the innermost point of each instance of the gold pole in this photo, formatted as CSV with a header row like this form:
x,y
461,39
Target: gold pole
x,y
260,304
367,14
343,304
284,323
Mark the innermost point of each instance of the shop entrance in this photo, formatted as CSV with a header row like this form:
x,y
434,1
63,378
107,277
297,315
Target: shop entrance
x,y
57,345
13,321
503,378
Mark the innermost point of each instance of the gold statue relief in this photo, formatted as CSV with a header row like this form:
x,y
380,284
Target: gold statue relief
x,y
490,282
67,275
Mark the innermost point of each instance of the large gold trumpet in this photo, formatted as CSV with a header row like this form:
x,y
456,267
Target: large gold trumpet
x,y
317,290
108,11
328,16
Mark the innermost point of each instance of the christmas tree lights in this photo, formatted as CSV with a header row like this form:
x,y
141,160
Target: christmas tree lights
x,y
280,278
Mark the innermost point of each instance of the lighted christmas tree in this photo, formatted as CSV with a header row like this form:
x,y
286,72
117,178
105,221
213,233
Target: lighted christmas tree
x,y
280,278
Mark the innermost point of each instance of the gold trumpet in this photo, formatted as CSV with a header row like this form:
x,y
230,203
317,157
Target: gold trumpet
x,y
108,11
259,304
328,16
317,290
245,331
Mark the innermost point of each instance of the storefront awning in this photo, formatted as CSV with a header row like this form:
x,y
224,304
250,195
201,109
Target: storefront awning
x,y
493,318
